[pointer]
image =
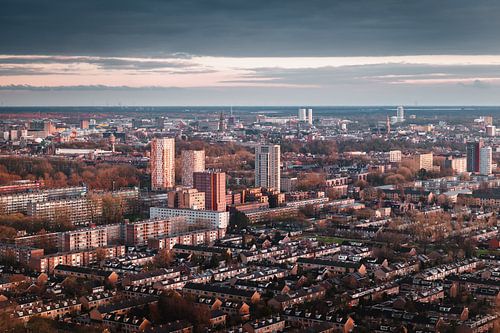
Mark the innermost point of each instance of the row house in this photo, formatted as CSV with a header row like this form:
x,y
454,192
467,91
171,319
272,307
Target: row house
x,y
302,318
121,308
98,299
430,295
140,291
225,273
442,271
392,271
263,274
259,255
125,324
266,325
53,310
470,283
281,302
199,289
309,253
200,250
236,309
266,287
178,283
151,277
341,267
371,293
86,273
478,324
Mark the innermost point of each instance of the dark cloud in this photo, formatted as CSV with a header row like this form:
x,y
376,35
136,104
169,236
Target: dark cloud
x,y
242,27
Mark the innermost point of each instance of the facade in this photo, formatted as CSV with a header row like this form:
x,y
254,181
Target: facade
x,y
302,114
395,156
189,198
473,149
84,239
138,233
457,164
424,161
288,184
491,130
400,114
162,163
485,160
192,161
215,219
267,166
213,184
78,211
310,116
18,202
47,263
187,238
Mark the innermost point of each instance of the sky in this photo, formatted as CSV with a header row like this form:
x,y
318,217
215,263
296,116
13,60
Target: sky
x,y
235,52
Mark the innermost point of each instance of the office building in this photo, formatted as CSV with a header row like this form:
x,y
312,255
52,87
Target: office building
x,y
302,114
457,164
84,124
491,130
400,114
213,184
267,166
162,163
488,120
288,184
485,160
192,161
424,161
200,218
473,149
395,156
310,116
186,198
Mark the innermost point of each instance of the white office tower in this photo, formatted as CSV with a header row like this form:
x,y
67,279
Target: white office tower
x,y
400,114
192,161
302,114
310,116
267,166
491,130
485,160
162,163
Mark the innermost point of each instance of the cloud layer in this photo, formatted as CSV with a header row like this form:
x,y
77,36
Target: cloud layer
x,y
249,52
249,28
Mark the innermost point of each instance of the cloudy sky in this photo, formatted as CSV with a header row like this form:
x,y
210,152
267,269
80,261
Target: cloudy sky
x,y
241,52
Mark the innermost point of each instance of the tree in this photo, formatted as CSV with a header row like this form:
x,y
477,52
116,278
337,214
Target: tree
x,y
238,221
112,209
164,258
101,254
9,324
41,325
72,286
